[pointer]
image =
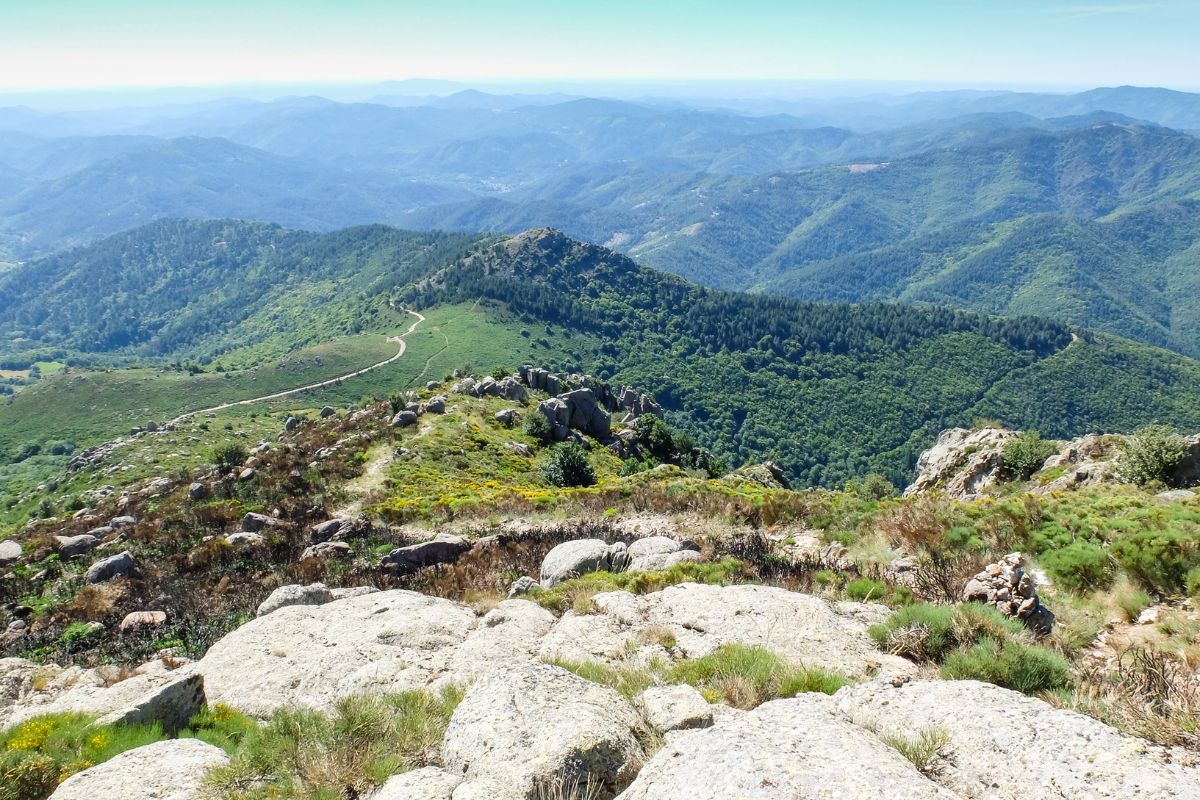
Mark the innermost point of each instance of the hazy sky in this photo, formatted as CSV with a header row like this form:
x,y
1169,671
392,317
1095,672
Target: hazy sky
x,y
76,43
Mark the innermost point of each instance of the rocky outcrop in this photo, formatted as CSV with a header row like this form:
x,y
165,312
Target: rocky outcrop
x,y
581,556
962,464
1007,744
659,552
167,770
1012,591
522,727
312,655
295,595
171,705
799,749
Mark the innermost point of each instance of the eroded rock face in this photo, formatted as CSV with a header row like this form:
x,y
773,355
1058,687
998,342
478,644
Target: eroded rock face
x,y
521,727
1000,738
798,749
962,463
167,770
673,708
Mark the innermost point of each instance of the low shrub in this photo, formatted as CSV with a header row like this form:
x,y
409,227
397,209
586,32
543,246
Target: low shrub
x,y
1159,559
536,426
1150,455
1012,664
38,754
871,487
576,593
1080,566
921,631
300,753
227,457
745,677
922,750
866,589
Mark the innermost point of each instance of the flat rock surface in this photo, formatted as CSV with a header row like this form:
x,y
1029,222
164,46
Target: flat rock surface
x,y
1033,751
798,749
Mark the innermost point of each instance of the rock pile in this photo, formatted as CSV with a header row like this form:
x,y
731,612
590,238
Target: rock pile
x,y
1012,591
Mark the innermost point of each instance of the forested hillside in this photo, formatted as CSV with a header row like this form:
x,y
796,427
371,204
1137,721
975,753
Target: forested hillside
x,y
1094,225
829,391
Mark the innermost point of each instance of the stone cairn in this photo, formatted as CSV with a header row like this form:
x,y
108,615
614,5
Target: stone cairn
x,y
1012,591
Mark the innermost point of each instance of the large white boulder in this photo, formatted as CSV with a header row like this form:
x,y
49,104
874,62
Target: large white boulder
x,y
1001,738
427,783
167,770
581,556
798,749
519,728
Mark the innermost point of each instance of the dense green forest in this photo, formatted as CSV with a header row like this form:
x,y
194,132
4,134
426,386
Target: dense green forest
x,y
194,290
829,391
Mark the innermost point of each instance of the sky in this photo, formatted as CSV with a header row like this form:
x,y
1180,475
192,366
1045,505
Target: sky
x,y
58,44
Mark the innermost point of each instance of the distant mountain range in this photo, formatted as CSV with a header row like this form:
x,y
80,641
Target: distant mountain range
x,y
1078,206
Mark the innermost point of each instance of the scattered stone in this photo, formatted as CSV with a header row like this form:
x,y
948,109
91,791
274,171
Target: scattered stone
x,y
404,418
520,448
522,585
173,769
198,491
1176,495
431,385
290,424
1012,591
1149,616
673,708
246,539
137,620
338,528
324,550
121,565
102,531
254,522
657,553
122,522
10,552
295,594
246,474
506,416
522,727
327,412
443,548
436,404
581,556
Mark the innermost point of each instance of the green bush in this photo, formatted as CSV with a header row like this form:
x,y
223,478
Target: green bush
x,y
1014,665
229,456
537,427
1024,455
301,753
1150,455
567,465
1159,559
866,589
1080,566
36,755
920,630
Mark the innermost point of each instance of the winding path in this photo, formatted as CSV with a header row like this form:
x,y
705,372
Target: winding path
x,y
399,340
